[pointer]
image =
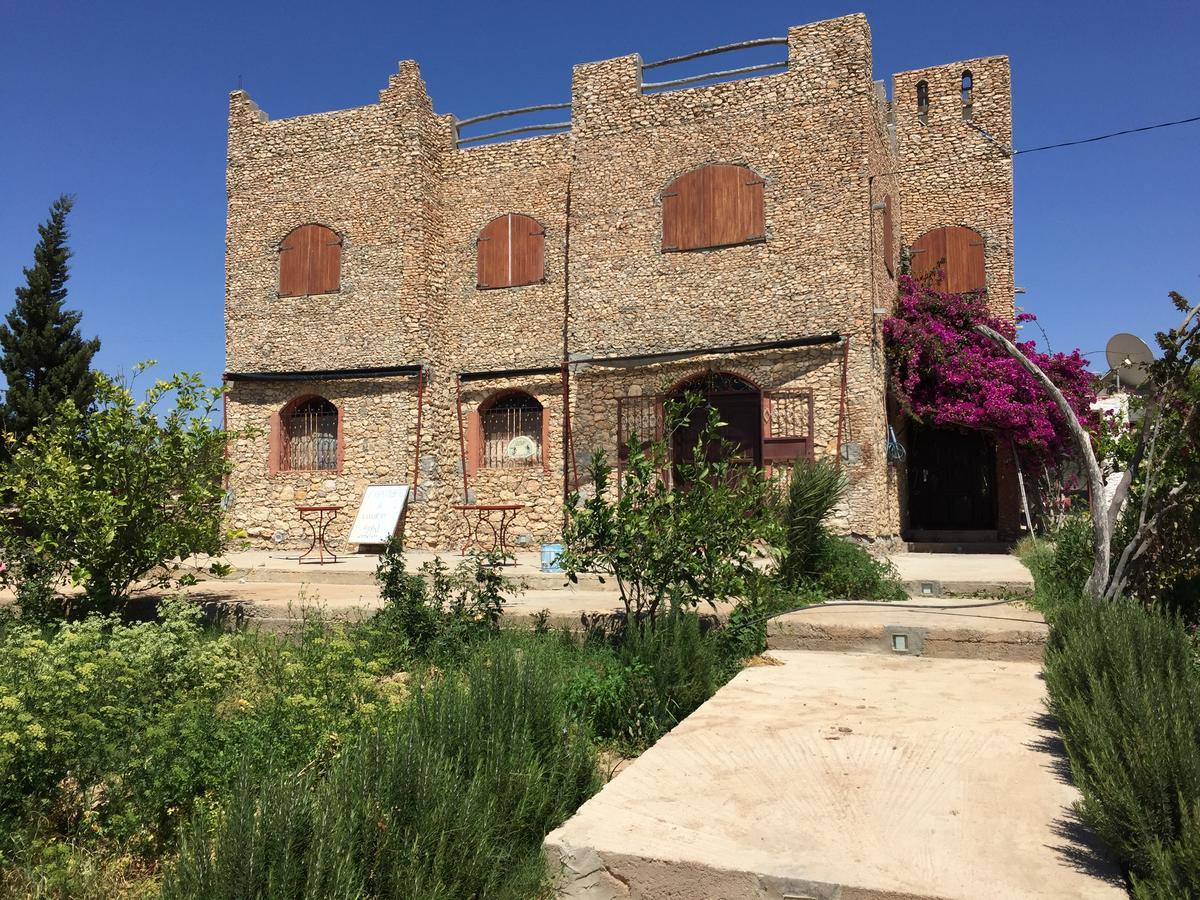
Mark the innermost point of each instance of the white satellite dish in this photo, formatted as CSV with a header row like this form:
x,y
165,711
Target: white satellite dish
x,y
1128,355
520,448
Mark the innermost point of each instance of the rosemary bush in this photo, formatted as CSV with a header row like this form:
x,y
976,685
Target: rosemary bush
x,y
450,797
1124,685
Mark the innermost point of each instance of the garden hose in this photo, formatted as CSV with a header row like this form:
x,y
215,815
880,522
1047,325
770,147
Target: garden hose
x,y
881,603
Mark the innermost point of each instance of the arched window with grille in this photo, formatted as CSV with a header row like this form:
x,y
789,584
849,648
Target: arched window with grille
x,y
310,262
508,431
968,85
308,436
510,252
717,205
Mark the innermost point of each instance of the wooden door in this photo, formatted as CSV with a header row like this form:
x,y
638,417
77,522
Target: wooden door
x,y
951,479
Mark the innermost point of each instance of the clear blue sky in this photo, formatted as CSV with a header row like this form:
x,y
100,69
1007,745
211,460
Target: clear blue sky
x,y
124,104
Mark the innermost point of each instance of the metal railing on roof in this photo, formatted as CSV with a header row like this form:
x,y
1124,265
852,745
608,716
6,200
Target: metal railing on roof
x,y
712,76
543,127
459,124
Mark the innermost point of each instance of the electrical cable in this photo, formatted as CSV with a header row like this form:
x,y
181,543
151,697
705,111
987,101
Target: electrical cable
x,y
877,604
1105,137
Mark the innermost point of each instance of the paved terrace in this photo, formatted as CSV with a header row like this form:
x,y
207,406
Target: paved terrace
x,y
273,588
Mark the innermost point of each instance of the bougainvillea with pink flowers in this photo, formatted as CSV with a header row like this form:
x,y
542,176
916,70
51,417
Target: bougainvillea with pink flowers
x,y
945,373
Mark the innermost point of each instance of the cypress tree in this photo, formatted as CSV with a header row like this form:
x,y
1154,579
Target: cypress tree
x,y
42,355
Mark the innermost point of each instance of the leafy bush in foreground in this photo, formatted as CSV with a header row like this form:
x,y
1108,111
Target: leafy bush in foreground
x,y
813,561
114,497
450,798
1060,562
638,686
109,732
1125,687
670,540
436,612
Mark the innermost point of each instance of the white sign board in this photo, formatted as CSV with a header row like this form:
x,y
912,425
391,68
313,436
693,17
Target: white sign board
x,y
379,513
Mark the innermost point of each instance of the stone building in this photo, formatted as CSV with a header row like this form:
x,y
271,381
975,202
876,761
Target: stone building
x,y
404,305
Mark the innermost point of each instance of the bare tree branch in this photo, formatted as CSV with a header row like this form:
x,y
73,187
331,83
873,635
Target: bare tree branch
x,y
1137,546
1101,531
1126,483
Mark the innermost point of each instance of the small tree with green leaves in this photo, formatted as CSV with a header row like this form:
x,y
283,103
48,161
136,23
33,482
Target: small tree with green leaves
x,y
115,498
45,360
670,548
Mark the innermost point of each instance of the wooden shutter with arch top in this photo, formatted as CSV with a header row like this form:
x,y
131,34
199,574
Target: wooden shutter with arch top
x,y
719,205
510,252
310,262
957,252
889,238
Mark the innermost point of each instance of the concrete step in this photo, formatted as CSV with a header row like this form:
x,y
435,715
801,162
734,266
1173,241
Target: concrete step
x,y
925,588
983,630
334,575
959,547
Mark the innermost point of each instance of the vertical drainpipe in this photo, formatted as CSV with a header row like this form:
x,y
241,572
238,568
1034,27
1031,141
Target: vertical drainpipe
x,y
462,439
417,449
842,400
566,357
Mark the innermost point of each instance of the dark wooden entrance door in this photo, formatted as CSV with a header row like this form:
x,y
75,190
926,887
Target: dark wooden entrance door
x,y
738,403
951,479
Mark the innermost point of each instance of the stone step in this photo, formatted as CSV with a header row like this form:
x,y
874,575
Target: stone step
x,y
995,631
332,574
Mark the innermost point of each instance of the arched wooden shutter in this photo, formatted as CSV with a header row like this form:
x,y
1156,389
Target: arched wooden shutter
x,y
715,206
510,252
491,254
310,262
527,249
964,260
889,241
955,250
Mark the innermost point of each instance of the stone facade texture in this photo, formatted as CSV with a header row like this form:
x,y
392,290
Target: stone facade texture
x,y
409,204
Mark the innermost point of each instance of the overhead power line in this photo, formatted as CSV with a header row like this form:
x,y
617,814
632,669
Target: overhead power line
x,y
1105,137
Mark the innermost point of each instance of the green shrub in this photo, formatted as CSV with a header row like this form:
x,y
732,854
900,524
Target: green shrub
x,y
437,612
110,732
1125,688
814,564
675,542
851,573
117,496
1061,562
637,686
813,490
450,798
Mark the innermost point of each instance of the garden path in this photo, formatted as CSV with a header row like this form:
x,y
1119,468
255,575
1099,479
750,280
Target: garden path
x,y
845,775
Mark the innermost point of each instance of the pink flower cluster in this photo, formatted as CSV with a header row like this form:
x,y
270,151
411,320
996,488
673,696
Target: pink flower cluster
x,y
943,372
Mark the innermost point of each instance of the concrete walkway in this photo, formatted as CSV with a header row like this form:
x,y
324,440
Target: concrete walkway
x,y
844,776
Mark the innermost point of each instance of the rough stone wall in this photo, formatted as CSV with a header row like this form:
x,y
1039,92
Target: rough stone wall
x,y
804,131
378,432
950,173
409,205
365,173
